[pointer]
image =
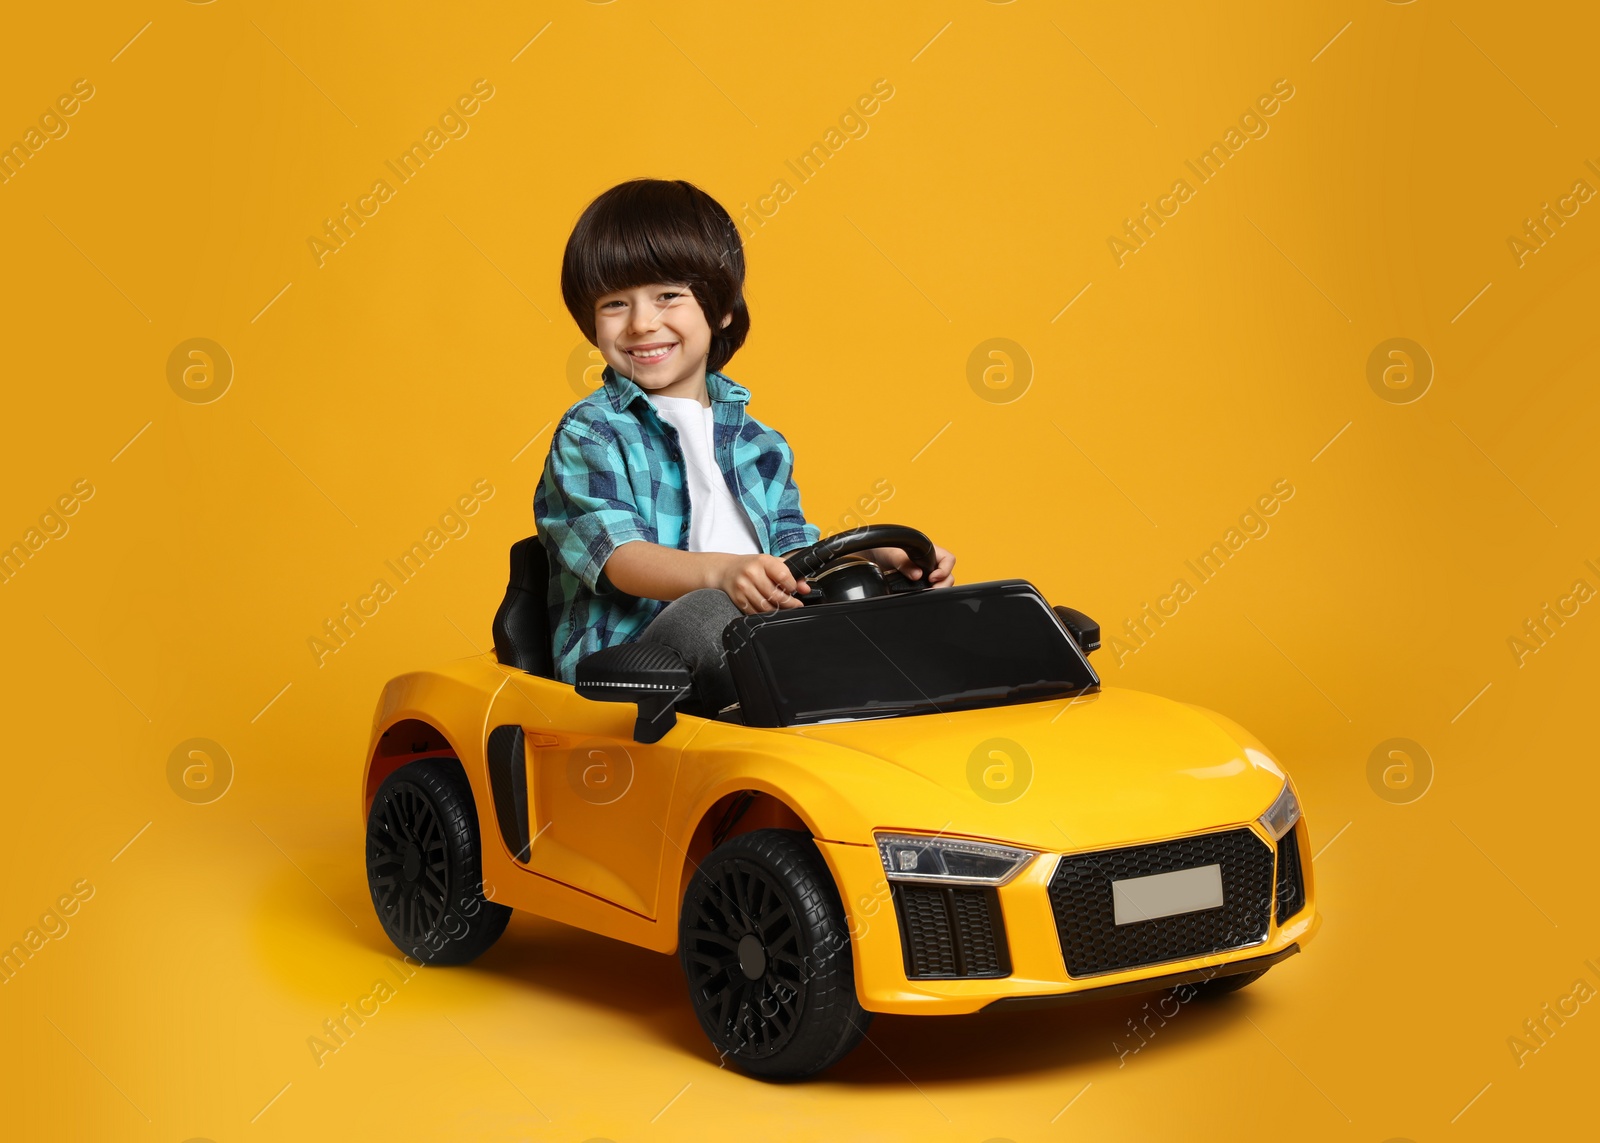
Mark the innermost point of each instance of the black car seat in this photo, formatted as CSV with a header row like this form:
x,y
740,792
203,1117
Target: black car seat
x,y
522,625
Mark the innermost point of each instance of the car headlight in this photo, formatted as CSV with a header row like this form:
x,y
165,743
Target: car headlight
x,y
1282,814
951,860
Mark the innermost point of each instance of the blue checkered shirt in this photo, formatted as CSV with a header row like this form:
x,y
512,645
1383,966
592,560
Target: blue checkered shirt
x,y
615,473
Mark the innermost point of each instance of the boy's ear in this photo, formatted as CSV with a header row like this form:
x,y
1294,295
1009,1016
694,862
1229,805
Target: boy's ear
x,y
726,318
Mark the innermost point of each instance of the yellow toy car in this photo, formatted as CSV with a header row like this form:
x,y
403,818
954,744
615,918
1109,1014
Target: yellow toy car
x,y
924,802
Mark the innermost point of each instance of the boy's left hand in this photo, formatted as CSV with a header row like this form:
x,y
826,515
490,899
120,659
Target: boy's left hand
x,y
895,559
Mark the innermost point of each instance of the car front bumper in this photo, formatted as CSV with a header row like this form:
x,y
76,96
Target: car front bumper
x,y
1038,968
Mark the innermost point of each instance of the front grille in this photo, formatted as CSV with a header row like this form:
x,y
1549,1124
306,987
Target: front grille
x,y
951,931
1291,888
1091,940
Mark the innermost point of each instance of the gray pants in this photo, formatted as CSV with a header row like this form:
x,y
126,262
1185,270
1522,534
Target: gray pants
x,y
692,626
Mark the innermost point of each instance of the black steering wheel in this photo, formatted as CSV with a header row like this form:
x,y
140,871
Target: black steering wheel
x,y
834,576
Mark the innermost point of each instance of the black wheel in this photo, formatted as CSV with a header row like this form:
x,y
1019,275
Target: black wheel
x,y
1222,985
424,868
766,951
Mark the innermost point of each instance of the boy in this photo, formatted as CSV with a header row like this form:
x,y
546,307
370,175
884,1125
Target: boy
x,y
666,510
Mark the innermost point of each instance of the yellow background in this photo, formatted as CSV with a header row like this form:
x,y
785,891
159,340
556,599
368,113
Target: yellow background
x,y
372,391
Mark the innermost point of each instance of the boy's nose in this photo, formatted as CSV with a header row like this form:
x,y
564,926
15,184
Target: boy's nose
x,y
645,318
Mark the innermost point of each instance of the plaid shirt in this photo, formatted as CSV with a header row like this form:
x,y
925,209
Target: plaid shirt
x,y
615,473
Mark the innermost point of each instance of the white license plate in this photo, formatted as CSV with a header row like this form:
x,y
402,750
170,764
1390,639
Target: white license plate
x,y
1167,894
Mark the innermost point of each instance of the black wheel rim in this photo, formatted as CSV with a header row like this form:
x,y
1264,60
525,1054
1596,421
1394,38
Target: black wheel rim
x,y
407,863
748,1016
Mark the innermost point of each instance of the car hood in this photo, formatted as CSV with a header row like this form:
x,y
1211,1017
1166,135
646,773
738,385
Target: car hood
x,y
1112,768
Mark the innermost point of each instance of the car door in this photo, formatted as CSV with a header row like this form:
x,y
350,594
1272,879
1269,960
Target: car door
x,y
595,798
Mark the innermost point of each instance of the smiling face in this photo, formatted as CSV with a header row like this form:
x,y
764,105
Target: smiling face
x,y
657,336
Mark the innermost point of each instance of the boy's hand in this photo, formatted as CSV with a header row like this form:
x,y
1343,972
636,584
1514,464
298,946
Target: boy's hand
x,y
895,559
757,584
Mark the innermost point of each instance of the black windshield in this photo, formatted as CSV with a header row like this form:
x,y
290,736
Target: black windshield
x,y
988,644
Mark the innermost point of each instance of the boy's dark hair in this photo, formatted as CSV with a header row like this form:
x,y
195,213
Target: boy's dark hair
x,y
655,230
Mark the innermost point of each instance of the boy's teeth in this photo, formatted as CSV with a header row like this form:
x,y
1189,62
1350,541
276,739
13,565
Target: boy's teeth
x,y
650,352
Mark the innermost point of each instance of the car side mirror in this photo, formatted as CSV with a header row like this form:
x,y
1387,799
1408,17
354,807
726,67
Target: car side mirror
x,y
1085,632
651,675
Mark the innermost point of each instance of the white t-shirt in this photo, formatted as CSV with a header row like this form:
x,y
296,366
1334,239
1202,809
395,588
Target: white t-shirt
x,y
717,522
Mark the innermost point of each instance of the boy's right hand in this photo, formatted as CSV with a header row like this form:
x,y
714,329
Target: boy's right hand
x,y
758,584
